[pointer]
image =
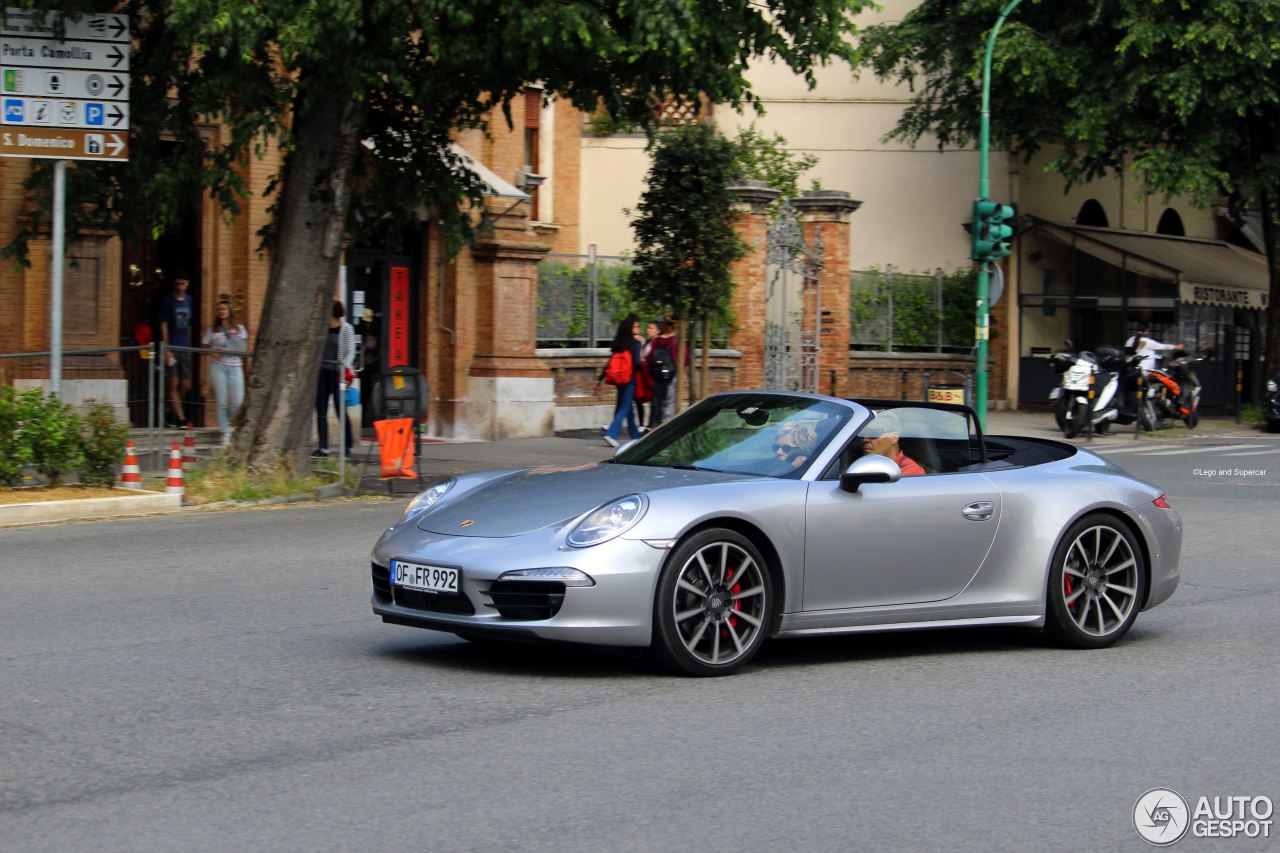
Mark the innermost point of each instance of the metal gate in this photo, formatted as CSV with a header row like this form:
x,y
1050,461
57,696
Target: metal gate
x,y
793,304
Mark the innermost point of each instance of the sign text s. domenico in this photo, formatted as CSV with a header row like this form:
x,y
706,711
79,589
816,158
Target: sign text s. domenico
x,y
1162,817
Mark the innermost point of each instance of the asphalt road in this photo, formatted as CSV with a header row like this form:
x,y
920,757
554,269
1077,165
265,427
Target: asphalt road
x,y
216,681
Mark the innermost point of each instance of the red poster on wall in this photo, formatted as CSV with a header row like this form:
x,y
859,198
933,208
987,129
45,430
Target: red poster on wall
x,y
398,318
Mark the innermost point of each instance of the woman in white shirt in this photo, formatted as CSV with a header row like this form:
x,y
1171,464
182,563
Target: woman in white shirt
x,y
226,373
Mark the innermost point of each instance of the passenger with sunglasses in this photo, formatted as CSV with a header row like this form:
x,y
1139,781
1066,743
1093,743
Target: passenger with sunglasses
x,y
794,443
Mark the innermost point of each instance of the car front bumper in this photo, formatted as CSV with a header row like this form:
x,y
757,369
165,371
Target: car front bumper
x,y
616,611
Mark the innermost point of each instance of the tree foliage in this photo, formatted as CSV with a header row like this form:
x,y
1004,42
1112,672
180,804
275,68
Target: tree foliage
x,y
1185,94
686,241
364,96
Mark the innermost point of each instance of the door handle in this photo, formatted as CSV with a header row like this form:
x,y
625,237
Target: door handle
x,y
979,511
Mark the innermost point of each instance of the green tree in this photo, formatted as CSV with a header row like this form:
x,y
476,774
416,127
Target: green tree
x,y
767,158
684,227
321,77
1185,94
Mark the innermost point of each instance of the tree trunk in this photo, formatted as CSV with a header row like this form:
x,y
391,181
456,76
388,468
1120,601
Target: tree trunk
x,y
274,426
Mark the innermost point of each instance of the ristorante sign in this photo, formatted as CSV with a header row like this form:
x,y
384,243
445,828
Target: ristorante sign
x,y
1222,295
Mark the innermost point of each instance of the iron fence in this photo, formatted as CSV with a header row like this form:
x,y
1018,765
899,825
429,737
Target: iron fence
x,y
890,311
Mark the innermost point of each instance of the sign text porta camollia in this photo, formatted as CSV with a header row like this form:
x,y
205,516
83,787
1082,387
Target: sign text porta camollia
x,y
64,85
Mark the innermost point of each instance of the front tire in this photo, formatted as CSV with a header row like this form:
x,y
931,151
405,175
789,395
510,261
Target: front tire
x,y
1078,421
714,604
1096,583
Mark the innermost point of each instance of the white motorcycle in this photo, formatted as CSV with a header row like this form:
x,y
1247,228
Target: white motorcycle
x,y
1112,374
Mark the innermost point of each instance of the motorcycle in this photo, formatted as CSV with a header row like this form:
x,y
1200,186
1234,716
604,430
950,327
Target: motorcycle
x,y
1114,375
1175,389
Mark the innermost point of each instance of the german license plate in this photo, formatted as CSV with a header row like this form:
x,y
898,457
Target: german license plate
x,y
424,578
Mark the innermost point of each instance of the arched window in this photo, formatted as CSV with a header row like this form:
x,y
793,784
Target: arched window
x,y
1091,213
1171,223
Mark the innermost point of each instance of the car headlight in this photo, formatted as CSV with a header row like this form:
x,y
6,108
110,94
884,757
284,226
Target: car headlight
x,y
1271,386
612,519
427,498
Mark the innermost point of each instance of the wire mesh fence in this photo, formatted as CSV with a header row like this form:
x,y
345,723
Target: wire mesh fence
x,y
580,299
890,311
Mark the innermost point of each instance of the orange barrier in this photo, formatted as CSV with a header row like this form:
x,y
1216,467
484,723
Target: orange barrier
x,y
173,484
189,449
130,473
395,448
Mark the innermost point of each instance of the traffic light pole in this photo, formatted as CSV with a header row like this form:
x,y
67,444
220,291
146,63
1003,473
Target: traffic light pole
x,y
982,331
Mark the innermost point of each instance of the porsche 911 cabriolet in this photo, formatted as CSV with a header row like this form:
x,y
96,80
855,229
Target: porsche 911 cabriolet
x,y
758,514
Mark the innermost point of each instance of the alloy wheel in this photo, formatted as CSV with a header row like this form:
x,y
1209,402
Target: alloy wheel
x,y
719,603
1100,581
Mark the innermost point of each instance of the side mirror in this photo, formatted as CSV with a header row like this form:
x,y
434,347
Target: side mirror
x,y
870,469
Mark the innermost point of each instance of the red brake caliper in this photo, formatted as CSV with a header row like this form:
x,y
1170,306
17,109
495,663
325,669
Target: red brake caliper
x,y
737,605
1067,587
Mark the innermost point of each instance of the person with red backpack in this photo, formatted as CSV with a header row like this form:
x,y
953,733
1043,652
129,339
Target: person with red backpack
x,y
620,372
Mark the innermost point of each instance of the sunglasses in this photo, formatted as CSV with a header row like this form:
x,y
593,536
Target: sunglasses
x,y
785,448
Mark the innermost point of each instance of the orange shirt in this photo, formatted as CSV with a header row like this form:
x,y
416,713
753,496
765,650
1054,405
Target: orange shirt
x,y
908,465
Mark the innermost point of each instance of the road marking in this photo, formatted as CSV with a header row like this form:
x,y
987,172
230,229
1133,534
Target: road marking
x,y
1254,452
1136,448
1206,449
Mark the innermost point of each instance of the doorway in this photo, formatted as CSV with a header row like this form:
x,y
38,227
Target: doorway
x,y
382,305
146,267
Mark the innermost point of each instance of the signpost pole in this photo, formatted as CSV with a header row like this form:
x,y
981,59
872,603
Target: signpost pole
x,y
59,253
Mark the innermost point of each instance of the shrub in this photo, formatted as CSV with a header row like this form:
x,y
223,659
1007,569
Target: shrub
x,y
50,428
14,452
102,439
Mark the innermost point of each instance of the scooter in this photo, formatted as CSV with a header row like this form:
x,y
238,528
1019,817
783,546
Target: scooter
x,y
1175,390
1113,374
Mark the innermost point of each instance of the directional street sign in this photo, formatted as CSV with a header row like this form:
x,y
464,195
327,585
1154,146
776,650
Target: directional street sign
x,y
57,113
58,83
91,27
64,85
47,53
58,144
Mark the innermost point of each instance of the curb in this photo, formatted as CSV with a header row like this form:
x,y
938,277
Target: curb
x,y
127,505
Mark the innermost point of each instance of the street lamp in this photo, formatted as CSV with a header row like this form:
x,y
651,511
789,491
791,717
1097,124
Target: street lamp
x,y
982,331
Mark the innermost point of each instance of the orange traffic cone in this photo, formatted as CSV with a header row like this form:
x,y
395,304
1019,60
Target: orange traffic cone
x,y
130,474
173,484
189,449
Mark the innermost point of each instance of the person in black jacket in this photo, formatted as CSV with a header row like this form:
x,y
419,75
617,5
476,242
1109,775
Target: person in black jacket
x,y
624,340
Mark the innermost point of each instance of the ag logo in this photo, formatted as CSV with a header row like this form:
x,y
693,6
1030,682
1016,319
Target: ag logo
x,y
1161,816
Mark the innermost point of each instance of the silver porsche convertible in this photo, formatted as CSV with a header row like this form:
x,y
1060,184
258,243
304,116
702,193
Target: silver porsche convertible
x,y
768,514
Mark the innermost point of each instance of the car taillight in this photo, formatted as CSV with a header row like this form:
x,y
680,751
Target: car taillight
x,y
1162,502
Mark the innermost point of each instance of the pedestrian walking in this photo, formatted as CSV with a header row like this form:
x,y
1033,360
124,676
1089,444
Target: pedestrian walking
x,y
335,360
660,364
226,374
177,313
624,342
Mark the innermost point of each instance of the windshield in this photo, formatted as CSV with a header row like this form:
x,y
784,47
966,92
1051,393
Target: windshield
x,y
767,435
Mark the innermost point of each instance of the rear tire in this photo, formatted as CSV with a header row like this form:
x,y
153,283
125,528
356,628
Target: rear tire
x,y
714,604
1192,420
1097,582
